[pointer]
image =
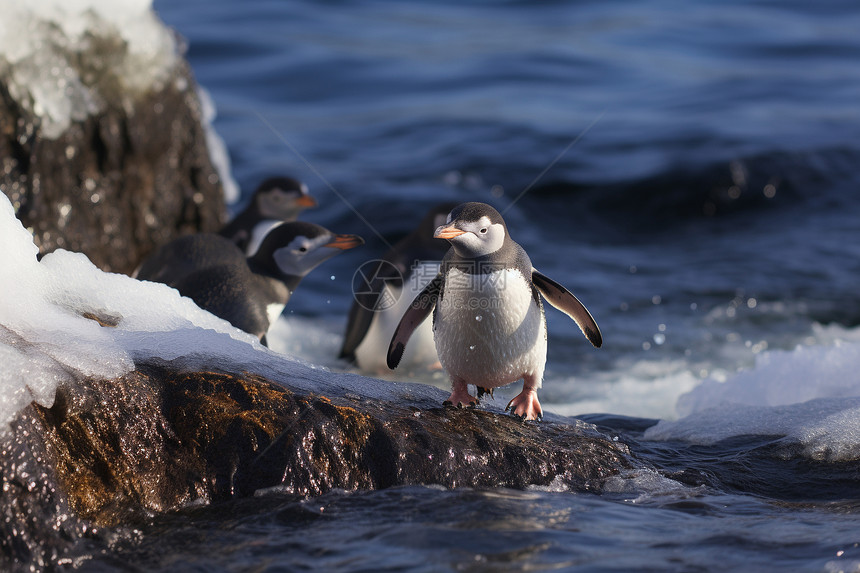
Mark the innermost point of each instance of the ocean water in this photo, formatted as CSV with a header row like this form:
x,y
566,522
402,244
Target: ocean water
x,y
688,170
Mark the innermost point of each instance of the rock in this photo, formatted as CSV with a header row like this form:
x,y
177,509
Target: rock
x,y
109,452
118,183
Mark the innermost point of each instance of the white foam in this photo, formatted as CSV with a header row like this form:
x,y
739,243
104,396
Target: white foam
x,y
646,486
644,388
315,340
60,50
810,395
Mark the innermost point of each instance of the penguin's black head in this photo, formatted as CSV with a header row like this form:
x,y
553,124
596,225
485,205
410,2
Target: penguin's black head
x,y
296,248
282,198
474,229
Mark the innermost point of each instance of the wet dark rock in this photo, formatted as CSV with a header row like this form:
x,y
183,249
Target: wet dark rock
x,y
110,452
120,182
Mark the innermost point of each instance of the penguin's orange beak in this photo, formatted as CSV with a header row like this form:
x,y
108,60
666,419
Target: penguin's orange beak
x,y
306,201
448,232
345,242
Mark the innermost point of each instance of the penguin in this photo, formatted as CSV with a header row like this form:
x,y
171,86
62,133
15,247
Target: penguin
x,y
488,319
251,292
385,292
186,254
276,200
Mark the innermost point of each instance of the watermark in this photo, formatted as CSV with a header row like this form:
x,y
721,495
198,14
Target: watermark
x,y
373,229
377,285
372,285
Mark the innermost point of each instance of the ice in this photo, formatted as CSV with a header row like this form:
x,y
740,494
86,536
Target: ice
x,y
65,59
810,395
217,148
61,52
49,332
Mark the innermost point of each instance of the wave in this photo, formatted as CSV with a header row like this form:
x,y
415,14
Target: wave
x,y
715,189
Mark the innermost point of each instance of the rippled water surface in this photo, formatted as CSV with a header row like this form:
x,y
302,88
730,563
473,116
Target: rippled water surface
x,y
688,170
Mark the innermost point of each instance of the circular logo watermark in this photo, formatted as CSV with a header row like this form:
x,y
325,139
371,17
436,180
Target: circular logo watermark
x,y
369,285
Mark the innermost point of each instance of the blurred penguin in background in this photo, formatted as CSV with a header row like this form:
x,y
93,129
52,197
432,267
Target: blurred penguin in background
x,y
276,200
248,291
385,289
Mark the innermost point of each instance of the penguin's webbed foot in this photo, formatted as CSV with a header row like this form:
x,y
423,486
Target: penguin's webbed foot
x,y
525,406
460,398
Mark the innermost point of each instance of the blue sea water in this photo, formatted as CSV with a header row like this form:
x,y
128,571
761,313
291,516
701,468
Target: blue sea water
x,y
689,170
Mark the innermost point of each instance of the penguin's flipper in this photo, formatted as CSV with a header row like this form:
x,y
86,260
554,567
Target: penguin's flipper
x,y
417,312
563,300
356,328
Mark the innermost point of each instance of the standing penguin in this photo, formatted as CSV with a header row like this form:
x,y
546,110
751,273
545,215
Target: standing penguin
x,y
276,200
488,318
387,289
251,292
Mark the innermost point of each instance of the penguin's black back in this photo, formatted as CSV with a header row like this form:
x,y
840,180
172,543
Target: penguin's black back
x,y
187,254
234,293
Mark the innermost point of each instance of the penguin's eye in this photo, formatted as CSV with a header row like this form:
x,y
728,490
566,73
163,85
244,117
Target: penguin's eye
x,y
484,230
303,249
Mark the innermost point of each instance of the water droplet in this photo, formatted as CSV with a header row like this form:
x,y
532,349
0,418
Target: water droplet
x,y
659,338
478,317
332,277
471,347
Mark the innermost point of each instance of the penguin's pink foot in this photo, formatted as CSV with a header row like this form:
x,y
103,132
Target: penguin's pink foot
x,y
460,397
525,405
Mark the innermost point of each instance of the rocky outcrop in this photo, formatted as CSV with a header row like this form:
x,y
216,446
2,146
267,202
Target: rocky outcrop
x,y
120,182
110,451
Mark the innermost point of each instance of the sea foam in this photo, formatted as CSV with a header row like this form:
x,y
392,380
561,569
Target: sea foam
x,y
810,395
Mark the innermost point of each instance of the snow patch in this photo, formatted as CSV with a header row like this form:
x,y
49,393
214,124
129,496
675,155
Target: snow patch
x,y
61,56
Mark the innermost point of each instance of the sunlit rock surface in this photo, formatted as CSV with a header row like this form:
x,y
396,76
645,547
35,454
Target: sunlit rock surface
x,y
111,451
103,144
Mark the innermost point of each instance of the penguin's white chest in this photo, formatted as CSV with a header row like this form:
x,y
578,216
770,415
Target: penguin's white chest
x,y
488,328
